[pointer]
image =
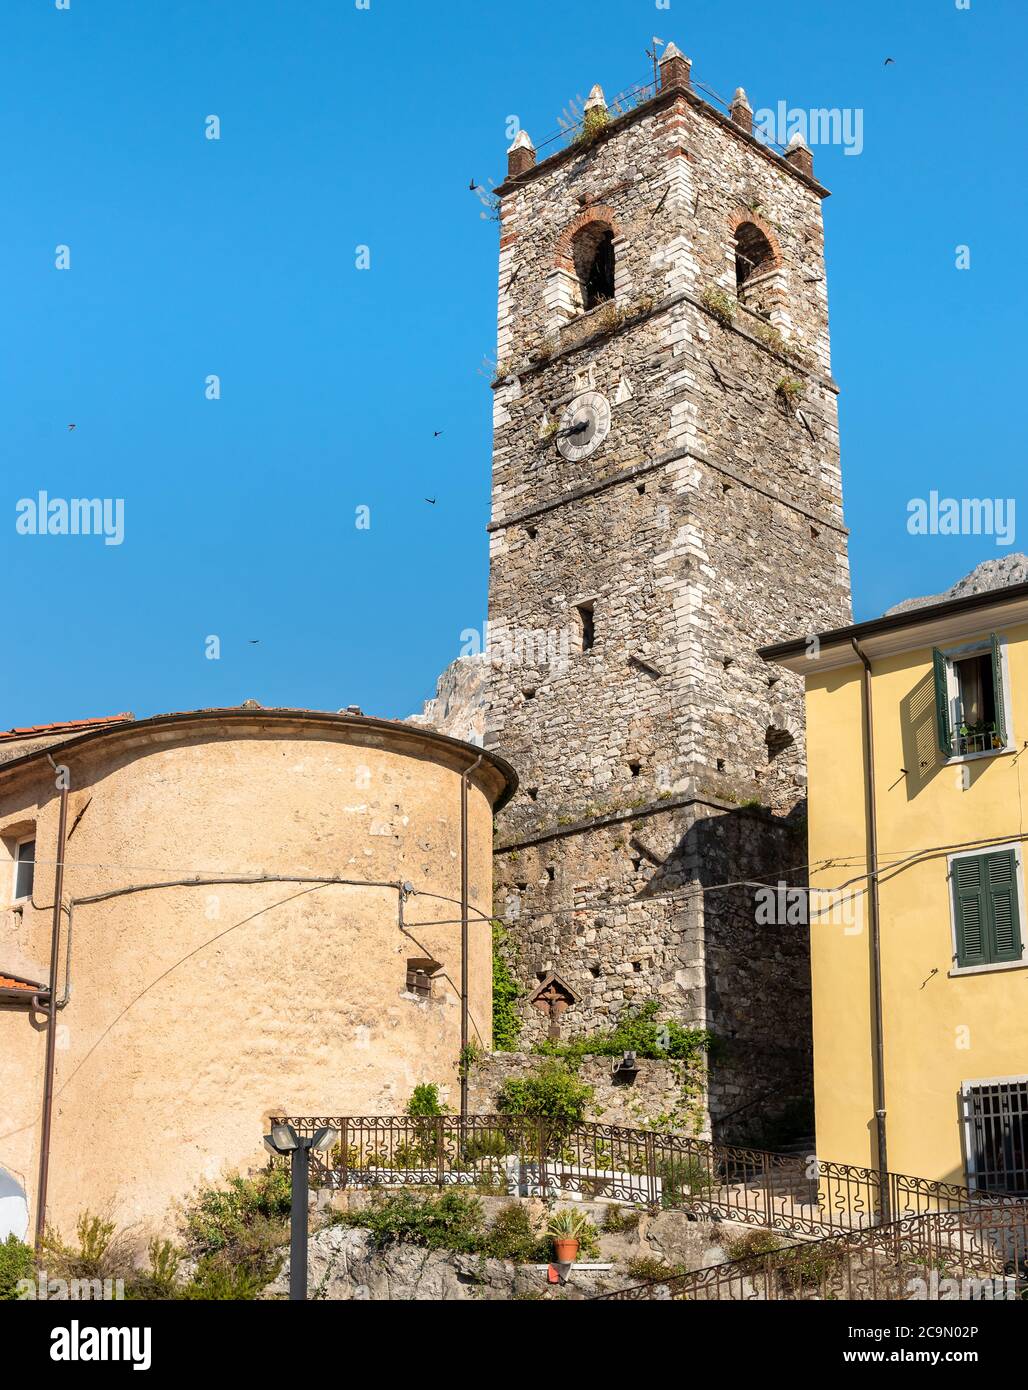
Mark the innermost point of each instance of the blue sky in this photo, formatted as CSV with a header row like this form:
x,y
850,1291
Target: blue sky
x,y
343,127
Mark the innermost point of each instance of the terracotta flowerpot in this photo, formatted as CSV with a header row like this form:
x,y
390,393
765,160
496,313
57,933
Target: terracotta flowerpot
x,y
565,1249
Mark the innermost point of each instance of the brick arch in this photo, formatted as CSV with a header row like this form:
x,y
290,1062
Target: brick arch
x,y
782,732
742,216
599,214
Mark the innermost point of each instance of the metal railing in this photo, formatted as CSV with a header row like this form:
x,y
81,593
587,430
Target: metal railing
x,y
973,1254
500,1154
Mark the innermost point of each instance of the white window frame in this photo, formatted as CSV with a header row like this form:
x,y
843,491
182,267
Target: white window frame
x,y
25,839
980,647
958,970
965,1118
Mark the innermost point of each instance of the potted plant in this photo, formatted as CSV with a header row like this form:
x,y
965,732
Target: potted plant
x,y
565,1230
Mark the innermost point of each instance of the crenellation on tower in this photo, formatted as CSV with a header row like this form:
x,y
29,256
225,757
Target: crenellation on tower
x,y
665,461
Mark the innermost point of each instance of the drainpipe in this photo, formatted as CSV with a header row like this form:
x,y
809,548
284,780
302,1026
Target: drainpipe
x,y
464,910
51,1020
877,1022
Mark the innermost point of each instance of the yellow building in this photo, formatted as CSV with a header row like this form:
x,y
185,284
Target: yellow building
x,y
917,726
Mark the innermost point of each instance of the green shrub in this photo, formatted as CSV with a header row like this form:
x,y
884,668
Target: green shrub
x,y
216,1281
789,391
424,1104
488,1143
513,1237
681,1176
506,994
552,1094
769,335
810,1265
645,1269
16,1262
720,304
449,1221
159,1282
593,125
237,1233
637,1031
617,1220
752,1246
97,1255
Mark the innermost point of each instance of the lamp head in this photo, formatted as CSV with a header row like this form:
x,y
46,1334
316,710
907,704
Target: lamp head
x,y
324,1140
283,1139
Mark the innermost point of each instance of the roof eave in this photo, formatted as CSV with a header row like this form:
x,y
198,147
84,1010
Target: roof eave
x,y
898,632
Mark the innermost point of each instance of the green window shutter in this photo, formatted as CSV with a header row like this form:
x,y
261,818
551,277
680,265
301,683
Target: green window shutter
x,y
945,731
987,909
970,910
997,687
1004,923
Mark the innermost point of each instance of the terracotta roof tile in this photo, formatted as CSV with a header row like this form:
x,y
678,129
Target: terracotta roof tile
x,y
10,982
69,726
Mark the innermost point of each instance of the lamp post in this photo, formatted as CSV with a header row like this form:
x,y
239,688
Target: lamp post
x,y
283,1140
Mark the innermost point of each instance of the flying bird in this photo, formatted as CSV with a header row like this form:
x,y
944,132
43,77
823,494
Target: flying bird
x,y
472,186
430,501
254,642
436,434
889,60
71,427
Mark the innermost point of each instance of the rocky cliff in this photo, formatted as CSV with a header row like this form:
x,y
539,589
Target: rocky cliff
x,y
458,708
990,574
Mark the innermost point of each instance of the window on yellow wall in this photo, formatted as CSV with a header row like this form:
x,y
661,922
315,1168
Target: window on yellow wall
x,y
24,868
969,699
986,909
996,1119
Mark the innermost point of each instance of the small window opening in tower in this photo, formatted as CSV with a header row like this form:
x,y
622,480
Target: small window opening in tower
x,y
635,769
593,252
778,741
533,793
551,873
587,625
641,489
753,256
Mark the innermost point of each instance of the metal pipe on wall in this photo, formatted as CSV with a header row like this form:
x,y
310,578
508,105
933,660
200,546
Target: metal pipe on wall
x,y
464,911
51,1019
877,1021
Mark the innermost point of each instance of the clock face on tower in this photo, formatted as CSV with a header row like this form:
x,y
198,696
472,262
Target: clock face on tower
x,y
584,425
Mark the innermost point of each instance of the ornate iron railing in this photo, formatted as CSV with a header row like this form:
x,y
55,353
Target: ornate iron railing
x,y
784,1192
973,1254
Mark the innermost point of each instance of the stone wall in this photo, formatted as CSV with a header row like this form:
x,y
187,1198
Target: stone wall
x,y
640,1103
708,524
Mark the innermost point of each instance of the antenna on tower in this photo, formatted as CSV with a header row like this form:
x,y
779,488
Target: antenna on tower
x,y
656,62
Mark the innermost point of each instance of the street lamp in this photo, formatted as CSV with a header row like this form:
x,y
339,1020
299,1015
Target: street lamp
x,y
283,1140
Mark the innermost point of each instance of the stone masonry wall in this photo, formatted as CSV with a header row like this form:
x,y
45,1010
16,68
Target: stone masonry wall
x,y
709,523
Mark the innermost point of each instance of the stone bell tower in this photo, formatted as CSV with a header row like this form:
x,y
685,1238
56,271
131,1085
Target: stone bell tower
x,y
667,498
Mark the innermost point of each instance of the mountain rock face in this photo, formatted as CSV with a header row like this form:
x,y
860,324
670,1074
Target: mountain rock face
x,y
458,708
990,574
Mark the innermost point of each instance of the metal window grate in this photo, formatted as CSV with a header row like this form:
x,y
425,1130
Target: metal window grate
x,y
997,1119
